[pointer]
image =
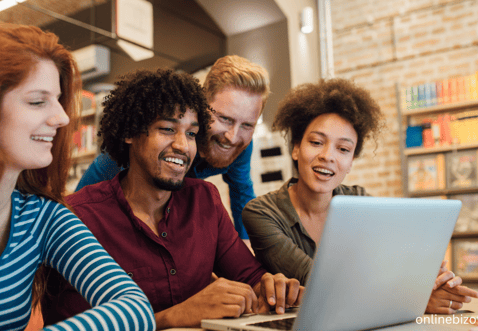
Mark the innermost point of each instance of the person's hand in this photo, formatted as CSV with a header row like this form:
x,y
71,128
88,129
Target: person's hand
x,y
279,291
222,298
448,295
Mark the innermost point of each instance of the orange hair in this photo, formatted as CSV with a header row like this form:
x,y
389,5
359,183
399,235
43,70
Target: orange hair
x,y
22,47
238,72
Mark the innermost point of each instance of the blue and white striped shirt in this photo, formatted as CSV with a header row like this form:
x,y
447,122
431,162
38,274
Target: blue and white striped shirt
x,y
45,232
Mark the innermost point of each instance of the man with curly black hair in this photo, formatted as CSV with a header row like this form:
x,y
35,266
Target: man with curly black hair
x,y
168,232
237,90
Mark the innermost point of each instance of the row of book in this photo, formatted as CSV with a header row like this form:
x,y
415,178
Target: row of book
x,y
444,91
85,140
444,129
451,170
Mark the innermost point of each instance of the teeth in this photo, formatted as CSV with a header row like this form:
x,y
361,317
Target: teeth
x,y
322,170
224,146
40,138
174,160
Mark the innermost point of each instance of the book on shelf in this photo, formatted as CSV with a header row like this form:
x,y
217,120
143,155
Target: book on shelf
x,y
426,172
84,140
461,169
88,102
465,257
439,88
460,89
468,217
474,86
446,91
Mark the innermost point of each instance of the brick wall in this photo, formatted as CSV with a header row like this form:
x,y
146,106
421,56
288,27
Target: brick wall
x,y
381,43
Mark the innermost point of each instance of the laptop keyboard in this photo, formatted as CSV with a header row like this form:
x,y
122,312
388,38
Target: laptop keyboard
x,y
283,324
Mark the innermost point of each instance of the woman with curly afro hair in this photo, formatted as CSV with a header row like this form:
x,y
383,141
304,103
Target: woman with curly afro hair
x,y
328,123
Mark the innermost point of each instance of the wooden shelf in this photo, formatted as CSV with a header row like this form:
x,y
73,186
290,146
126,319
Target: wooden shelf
x,y
424,194
439,149
88,112
458,235
84,157
441,108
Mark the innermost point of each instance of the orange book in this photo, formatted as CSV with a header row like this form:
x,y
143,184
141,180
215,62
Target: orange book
x,y
452,90
460,89
441,171
445,92
439,87
474,86
445,130
468,87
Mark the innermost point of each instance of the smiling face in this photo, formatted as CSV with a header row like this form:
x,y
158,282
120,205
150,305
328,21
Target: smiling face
x,y
235,117
164,156
326,153
30,115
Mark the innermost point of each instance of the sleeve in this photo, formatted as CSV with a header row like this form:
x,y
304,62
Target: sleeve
x,y
233,259
273,247
102,168
118,303
241,190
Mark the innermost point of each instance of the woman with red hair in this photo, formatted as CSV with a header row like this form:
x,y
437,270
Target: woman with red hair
x,y
39,96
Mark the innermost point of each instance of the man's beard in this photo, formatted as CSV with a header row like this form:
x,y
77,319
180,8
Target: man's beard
x,y
213,157
168,184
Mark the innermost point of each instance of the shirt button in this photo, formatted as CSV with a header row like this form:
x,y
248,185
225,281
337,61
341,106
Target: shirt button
x,y
164,234
130,274
167,210
173,271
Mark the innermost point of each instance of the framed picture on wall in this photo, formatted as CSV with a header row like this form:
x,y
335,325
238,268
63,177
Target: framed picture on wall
x,y
465,257
461,169
468,217
426,172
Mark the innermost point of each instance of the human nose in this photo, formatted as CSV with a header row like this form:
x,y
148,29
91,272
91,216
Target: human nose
x,y
232,135
326,153
59,117
180,143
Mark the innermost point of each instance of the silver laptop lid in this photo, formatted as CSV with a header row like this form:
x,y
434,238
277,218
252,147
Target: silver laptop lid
x,y
377,262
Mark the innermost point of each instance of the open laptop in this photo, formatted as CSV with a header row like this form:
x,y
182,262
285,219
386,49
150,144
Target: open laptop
x,y
375,266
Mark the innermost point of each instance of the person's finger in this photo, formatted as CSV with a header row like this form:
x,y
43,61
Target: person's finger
x,y
443,278
280,292
293,288
268,289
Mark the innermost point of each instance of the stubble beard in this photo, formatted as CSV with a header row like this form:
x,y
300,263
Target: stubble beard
x,y
215,159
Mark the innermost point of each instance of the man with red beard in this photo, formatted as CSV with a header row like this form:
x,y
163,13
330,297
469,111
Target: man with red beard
x,y
237,91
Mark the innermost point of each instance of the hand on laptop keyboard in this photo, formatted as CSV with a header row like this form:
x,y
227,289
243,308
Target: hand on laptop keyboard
x,y
448,295
278,291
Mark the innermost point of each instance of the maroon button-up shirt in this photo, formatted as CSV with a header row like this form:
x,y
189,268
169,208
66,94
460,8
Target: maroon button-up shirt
x,y
196,238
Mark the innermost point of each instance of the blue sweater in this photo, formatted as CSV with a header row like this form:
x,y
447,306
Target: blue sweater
x,y
45,232
237,176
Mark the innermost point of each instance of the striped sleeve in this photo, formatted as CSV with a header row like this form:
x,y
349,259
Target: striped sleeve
x,y
118,303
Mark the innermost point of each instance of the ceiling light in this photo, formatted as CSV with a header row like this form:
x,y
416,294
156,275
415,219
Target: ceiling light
x,y
4,4
307,20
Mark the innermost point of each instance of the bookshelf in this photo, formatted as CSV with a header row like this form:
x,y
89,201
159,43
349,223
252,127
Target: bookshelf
x,y
442,163
85,146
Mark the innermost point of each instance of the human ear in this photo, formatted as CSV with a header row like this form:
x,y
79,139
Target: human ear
x,y
295,152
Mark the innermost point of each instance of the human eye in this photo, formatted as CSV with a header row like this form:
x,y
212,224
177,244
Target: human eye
x,y
248,126
166,129
37,103
345,150
192,134
316,142
226,120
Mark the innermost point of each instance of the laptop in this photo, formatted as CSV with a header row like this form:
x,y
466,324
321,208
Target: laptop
x,y
375,266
